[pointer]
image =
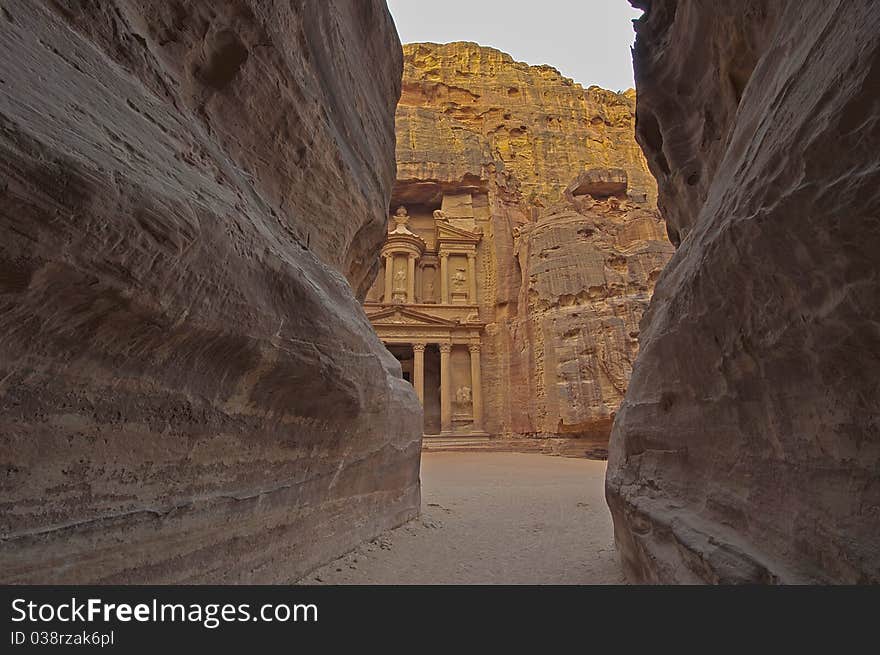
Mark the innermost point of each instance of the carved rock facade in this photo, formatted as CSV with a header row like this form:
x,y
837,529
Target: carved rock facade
x,y
530,245
748,446
189,389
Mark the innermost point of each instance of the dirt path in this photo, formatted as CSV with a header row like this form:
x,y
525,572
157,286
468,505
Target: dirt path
x,y
494,518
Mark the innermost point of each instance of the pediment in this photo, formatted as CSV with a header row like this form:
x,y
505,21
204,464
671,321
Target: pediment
x,y
399,315
448,232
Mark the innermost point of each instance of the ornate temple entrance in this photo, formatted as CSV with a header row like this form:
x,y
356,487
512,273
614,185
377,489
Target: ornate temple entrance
x,y
424,308
446,377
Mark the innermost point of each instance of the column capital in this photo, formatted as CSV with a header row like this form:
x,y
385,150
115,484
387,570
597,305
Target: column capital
x,y
413,256
444,255
474,347
419,347
471,255
445,347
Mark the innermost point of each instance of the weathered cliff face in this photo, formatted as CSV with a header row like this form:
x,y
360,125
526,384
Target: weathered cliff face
x,y
748,445
589,266
464,106
563,275
189,389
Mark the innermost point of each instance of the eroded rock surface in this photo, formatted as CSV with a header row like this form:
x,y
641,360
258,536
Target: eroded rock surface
x,y
464,106
189,192
589,267
548,173
748,446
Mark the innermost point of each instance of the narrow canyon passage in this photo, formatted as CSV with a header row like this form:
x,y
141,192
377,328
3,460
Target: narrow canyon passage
x,y
494,518
252,252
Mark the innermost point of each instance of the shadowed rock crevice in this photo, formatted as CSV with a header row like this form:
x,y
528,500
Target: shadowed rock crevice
x,y
225,57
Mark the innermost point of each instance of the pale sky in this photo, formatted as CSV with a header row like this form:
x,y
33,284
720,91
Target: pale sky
x,y
586,40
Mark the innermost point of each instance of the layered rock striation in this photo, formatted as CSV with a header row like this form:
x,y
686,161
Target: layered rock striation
x,y
191,197
748,447
464,106
588,265
548,173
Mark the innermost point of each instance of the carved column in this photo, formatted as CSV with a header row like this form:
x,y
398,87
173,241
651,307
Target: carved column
x,y
472,278
445,388
444,278
411,279
476,386
389,273
419,371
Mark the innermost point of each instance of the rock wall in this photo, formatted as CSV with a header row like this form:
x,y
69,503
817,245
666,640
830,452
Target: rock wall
x,y
748,446
589,267
464,106
563,275
189,194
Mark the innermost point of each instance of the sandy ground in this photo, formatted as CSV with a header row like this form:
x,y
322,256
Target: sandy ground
x,y
492,518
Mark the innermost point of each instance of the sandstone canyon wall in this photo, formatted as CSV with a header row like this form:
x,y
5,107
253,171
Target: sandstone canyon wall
x,y
748,445
564,273
189,193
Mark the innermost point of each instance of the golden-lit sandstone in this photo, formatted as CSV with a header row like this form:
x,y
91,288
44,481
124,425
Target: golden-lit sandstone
x,y
535,243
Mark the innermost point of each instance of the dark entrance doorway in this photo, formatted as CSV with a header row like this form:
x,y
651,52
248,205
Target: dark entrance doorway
x,y
432,389
403,354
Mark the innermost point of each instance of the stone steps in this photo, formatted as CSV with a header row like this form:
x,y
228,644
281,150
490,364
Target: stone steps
x,y
588,448
445,443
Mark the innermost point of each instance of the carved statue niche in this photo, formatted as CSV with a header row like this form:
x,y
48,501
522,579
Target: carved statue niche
x,y
428,284
459,278
399,284
400,281
463,396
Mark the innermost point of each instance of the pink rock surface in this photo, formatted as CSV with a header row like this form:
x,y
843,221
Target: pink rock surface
x,y
189,193
747,448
